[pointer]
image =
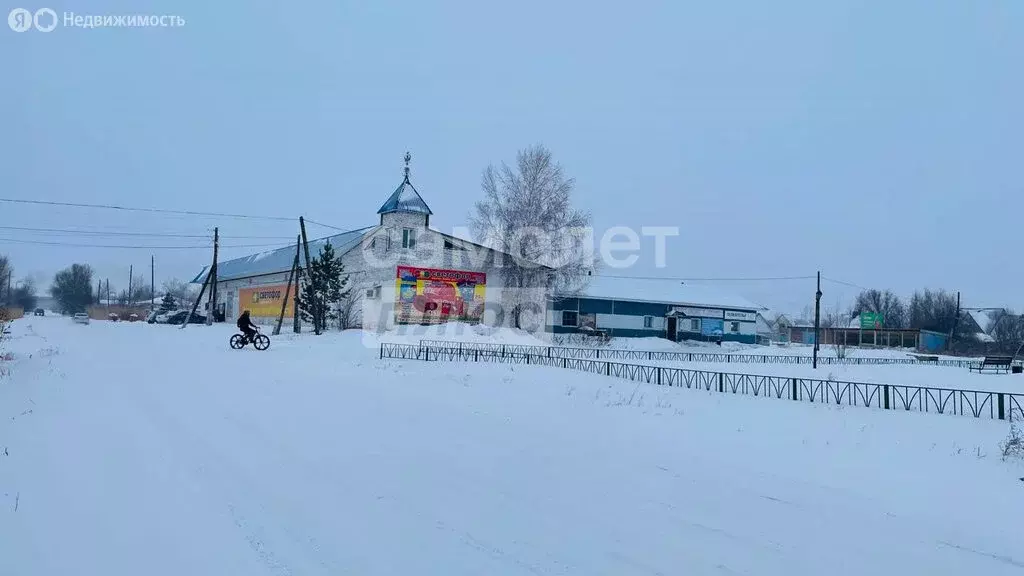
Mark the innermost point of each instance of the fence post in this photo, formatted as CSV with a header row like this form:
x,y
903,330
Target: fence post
x,y
1002,407
886,394
476,355
659,375
598,350
502,350
793,380
721,386
649,353
565,362
527,357
608,368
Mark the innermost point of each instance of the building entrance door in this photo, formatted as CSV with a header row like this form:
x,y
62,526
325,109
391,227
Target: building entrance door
x,y
670,328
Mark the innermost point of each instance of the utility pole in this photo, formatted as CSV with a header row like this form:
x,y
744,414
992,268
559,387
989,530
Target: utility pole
x,y
108,293
99,292
288,290
956,320
152,283
199,299
130,272
817,320
213,283
313,304
297,324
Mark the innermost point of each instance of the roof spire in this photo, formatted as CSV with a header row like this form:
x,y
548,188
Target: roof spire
x,y
408,157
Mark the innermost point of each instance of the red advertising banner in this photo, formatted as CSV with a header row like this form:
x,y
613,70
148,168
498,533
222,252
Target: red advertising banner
x,y
433,296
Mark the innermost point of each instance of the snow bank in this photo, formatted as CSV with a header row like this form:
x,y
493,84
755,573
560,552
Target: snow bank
x,y
316,458
457,332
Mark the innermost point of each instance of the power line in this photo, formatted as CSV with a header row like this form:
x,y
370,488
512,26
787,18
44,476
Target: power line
x,y
751,279
46,243
326,225
850,284
147,234
154,210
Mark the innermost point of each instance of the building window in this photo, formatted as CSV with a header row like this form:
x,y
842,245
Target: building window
x,y
569,318
734,327
648,321
449,245
373,243
694,324
373,293
408,238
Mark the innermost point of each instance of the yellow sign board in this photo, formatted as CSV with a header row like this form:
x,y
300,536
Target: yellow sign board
x,y
265,301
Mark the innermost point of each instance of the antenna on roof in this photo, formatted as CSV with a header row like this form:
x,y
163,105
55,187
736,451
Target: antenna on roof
x,y
408,158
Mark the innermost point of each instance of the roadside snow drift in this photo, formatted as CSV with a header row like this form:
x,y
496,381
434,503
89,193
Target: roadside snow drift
x,y
130,449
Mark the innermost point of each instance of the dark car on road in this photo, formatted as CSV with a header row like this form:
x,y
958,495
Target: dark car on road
x,y
40,312
179,318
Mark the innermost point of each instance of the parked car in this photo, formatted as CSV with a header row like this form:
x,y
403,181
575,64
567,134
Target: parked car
x,y
180,316
80,318
40,312
113,317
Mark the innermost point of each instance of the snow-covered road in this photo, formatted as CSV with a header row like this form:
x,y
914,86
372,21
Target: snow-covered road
x,y
132,449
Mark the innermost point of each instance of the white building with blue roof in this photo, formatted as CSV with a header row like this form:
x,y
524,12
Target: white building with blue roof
x,y
653,307
400,271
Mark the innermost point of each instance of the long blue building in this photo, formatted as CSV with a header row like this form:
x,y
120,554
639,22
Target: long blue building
x,y
631,308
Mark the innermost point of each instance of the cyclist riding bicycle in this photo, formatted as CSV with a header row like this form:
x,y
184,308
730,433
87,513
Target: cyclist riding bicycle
x,y
246,325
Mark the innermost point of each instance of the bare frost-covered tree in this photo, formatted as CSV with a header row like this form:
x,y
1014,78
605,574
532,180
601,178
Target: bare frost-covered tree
x,y
833,321
181,291
1007,327
350,311
527,212
884,302
5,272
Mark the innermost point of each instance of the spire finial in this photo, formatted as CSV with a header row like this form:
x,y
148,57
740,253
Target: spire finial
x,y
408,158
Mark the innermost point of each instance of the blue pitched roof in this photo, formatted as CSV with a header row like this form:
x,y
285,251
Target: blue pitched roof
x,y
405,199
280,259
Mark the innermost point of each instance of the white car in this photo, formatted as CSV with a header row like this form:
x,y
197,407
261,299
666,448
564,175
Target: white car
x,y
81,318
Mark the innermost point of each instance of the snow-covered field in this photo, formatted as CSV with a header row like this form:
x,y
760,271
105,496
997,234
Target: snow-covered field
x,y
132,449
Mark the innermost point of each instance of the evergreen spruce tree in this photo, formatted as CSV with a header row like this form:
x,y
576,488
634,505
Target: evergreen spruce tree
x,y
168,304
324,285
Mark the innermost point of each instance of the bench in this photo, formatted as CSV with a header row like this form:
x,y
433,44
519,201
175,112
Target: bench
x,y
993,363
924,358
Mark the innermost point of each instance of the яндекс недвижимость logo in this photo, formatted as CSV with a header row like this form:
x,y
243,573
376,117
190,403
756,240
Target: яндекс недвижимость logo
x,y
21,20
45,20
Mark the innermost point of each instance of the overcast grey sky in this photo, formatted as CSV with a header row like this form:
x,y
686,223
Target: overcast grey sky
x,y
878,142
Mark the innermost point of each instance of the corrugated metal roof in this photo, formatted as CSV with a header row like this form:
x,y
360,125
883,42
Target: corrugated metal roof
x,y
405,199
280,259
662,291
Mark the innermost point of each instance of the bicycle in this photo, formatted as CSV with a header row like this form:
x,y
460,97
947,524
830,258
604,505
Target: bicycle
x,y
259,341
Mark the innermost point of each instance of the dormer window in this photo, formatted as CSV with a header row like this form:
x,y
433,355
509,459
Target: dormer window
x,y
409,238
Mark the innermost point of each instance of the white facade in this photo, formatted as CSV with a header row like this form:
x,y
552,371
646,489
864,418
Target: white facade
x,y
402,237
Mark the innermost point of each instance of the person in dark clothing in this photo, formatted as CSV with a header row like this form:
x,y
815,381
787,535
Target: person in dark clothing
x,y
246,325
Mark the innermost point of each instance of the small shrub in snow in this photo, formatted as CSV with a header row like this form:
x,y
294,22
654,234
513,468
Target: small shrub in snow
x,y
1013,446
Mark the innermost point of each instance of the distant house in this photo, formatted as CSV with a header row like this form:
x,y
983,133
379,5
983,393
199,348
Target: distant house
x,y
765,329
978,323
